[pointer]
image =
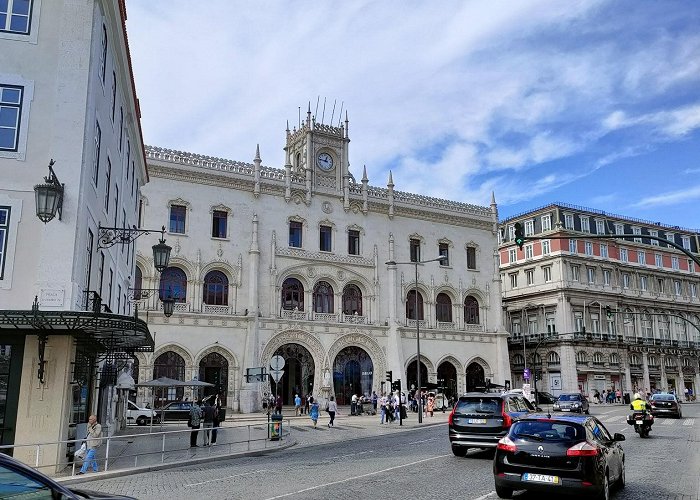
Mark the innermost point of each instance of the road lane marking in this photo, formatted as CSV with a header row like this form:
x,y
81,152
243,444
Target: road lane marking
x,y
357,477
688,421
483,497
227,477
667,422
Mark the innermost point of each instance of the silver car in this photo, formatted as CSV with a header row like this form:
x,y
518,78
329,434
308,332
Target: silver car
x,y
571,402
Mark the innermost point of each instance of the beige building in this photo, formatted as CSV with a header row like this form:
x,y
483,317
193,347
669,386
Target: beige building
x,y
626,310
67,94
292,261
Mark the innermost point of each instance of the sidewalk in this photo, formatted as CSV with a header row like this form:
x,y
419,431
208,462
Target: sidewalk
x,y
131,455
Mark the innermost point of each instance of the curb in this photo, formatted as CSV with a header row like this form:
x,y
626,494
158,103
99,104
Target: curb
x,y
169,465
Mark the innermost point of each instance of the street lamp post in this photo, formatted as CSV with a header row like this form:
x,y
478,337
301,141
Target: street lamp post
x,y
418,383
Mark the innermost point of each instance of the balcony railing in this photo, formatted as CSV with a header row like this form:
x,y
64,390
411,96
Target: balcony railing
x,y
293,315
412,323
212,309
446,325
355,319
329,317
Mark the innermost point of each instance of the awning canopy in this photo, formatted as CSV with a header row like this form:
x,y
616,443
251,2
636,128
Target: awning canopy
x,y
101,332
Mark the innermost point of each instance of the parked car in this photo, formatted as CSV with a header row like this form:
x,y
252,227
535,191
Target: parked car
x,y
176,410
666,404
18,480
479,420
140,416
559,455
571,402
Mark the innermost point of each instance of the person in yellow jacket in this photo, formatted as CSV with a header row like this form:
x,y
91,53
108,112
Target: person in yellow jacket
x,y
639,404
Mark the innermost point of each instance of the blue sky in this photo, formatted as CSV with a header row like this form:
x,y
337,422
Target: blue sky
x,y
593,103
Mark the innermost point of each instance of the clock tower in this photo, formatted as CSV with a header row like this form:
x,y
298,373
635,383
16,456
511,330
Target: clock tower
x,y
318,154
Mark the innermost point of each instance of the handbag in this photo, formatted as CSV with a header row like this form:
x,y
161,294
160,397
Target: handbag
x,y
81,452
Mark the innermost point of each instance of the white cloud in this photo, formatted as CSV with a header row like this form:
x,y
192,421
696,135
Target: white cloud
x,y
485,94
670,198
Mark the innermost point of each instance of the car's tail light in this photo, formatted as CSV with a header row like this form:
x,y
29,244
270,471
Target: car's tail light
x,y
653,404
506,444
507,420
452,414
583,449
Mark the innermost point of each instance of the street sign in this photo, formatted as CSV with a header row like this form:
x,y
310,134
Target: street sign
x,y
277,363
276,375
526,374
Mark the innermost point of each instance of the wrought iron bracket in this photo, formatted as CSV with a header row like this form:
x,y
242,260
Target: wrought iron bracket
x,y
53,179
110,236
42,363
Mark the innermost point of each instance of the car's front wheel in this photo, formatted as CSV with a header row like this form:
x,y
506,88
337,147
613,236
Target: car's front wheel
x,y
141,420
459,451
504,492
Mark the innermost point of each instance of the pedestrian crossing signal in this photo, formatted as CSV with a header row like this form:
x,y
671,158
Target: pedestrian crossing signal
x,y
389,376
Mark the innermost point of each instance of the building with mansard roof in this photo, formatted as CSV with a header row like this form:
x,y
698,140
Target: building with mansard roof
x,y
626,310
293,261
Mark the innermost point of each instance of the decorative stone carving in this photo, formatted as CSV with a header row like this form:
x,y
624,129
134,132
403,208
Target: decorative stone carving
x,y
311,272
327,207
341,275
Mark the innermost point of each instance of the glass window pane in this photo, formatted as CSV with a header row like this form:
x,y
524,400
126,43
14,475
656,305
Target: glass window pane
x,y
19,24
10,95
8,117
7,138
3,6
3,19
20,7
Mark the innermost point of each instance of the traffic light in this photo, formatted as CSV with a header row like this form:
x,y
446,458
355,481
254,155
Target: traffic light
x,y
519,235
396,386
388,376
608,311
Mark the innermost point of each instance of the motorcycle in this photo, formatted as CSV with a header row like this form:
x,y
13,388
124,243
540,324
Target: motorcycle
x,y
642,422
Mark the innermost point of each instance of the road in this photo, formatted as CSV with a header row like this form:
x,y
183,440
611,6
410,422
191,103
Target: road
x,y
415,464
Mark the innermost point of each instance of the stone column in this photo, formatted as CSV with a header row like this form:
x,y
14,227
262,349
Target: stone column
x,y
664,379
645,368
569,374
249,398
394,355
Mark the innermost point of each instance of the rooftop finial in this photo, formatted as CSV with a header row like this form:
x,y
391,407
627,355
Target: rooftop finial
x,y
493,198
391,180
364,173
257,152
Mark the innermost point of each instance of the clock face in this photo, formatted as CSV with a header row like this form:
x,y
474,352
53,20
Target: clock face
x,y
324,161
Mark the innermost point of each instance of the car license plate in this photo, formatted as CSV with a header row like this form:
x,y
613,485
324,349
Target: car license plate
x,y
541,478
566,409
639,422
476,421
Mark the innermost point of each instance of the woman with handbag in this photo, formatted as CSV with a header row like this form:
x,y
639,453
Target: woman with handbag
x,y
331,408
93,440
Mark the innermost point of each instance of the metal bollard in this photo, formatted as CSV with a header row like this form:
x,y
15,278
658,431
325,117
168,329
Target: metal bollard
x,y
107,456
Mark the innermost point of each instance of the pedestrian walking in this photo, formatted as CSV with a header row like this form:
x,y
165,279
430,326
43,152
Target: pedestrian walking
x,y
332,410
313,411
307,403
353,405
278,405
297,405
208,418
374,401
431,405
382,409
194,422
93,440
217,418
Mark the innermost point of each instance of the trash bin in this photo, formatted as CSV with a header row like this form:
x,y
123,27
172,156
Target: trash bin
x,y
627,398
222,414
275,427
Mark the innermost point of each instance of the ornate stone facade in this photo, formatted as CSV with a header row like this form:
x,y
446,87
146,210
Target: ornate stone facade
x,y
307,264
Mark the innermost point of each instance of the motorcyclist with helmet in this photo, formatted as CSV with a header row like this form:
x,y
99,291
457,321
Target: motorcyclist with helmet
x,y
639,404
642,423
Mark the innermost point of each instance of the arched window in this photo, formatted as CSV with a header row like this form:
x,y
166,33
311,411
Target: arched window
x,y
323,297
173,283
653,361
471,310
647,329
614,359
598,358
216,288
169,364
518,360
687,362
352,300
553,358
411,305
581,357
138,283
292,295
537,359
443,308
634,360
670,362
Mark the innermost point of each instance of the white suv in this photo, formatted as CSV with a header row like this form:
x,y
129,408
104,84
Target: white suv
x,y
140,416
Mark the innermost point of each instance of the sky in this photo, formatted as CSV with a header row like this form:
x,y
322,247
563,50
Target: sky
x,y
593,103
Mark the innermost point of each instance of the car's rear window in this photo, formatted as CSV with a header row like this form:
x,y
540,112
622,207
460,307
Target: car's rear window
x,y
485,405
663,397
548,430
569,397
